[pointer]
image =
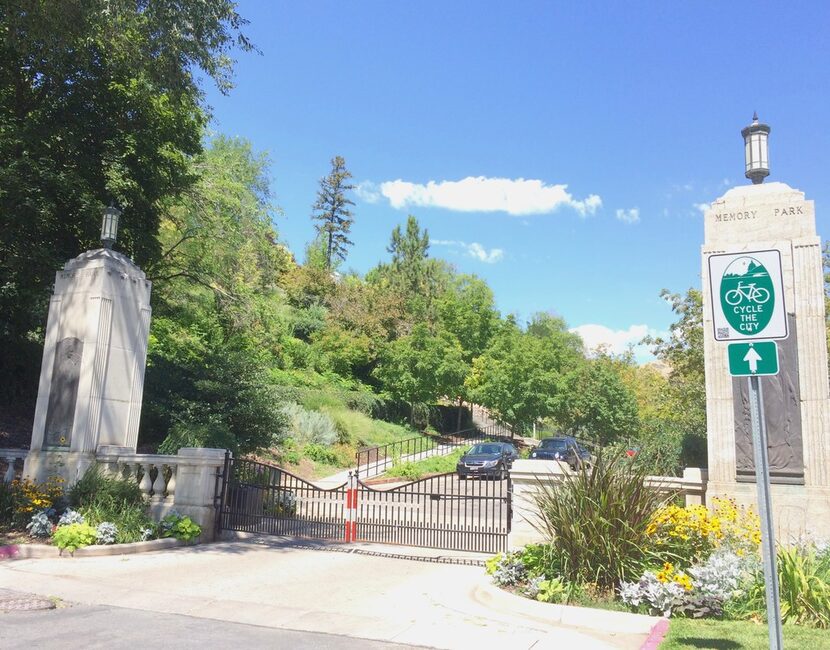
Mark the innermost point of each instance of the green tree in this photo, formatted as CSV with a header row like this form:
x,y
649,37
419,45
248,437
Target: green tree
x,y
466,309
597,404
682,352
412,274
421,367
215,334
331,209
521,377
99,104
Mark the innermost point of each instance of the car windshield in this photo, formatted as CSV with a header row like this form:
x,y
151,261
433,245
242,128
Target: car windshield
x,y
485,449
554,443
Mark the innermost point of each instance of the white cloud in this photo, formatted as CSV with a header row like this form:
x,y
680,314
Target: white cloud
x,y
703,207
479,252
367,191
480,194
617,341
631,215
473,249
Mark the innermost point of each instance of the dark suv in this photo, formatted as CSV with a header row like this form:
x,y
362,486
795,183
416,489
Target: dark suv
x,y
491,459
564,448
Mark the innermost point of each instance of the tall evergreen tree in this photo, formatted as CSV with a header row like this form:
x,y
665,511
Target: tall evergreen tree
x,y
331,209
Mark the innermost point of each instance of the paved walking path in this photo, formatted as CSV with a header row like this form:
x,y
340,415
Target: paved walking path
x,y
270,583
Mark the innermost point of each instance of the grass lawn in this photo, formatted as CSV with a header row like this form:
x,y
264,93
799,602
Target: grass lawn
x,y
738,635
432,465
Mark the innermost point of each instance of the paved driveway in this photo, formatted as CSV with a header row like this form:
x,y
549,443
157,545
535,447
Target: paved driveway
x,y
270,583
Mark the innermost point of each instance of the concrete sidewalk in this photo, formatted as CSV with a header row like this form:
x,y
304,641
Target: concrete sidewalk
x,y
271,583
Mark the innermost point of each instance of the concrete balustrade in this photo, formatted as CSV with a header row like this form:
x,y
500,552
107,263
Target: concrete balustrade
x,y
185,482
10,458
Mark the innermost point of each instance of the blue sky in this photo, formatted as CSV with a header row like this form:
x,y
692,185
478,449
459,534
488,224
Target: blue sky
x,y
558,150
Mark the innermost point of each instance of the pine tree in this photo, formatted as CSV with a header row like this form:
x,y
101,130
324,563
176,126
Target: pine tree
x,y
331,209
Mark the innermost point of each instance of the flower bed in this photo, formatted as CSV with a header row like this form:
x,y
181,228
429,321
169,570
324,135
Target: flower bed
x,y
98,510
613,545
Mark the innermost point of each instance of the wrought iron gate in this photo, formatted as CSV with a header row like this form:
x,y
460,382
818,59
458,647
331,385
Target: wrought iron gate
x,y
437,512
260,498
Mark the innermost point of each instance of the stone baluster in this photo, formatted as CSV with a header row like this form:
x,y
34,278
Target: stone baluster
x,y
171,484
158,484
9,476
146,484
128,470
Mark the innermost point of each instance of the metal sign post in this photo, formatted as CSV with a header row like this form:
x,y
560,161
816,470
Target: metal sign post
x,y
759,445
747,292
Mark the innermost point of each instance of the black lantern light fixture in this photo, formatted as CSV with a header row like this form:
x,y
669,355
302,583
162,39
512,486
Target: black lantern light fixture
x,y
756,150
109,226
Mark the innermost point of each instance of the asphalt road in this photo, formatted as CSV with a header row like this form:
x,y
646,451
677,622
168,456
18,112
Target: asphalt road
x,y
115,628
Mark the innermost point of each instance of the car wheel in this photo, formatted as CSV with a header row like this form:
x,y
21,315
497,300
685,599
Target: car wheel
x,y
461,477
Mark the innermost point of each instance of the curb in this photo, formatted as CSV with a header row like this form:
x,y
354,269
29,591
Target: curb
x,y
658,632
40,551
582,617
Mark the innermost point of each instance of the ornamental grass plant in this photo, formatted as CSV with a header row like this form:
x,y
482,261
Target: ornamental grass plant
x,y
596,519
103,498
804,589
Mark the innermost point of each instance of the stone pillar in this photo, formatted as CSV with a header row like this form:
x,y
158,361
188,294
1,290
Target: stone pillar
x,y
92,374
196,486
526,476
797,401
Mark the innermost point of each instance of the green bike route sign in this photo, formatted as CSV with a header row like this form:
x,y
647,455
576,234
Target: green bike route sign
x,y
747,294
753,359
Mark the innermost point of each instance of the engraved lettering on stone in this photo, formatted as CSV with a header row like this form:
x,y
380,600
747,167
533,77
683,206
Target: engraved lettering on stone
x,y
789,211
736,216
63,393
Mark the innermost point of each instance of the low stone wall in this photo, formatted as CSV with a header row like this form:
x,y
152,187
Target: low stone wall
x,y
526,476
185,482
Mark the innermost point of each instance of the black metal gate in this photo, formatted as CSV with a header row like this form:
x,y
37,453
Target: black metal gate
x,y
260,498
436,512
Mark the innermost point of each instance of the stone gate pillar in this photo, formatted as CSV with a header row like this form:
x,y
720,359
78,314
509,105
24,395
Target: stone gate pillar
x,y
797,400
92,375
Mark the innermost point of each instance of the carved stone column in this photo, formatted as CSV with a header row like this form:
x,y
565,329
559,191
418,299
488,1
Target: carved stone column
x,y
92,374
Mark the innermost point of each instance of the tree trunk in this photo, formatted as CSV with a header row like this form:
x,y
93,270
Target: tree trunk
x,y
460,410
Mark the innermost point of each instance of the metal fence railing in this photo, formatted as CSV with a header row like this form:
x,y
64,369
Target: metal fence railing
x,y
372,461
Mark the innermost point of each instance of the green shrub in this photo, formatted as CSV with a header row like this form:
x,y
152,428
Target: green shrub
x,y
552,591
8,503
179,526
804,585
408,470
104,498
74,536
321,454
131,520
96,487
310,427
596,521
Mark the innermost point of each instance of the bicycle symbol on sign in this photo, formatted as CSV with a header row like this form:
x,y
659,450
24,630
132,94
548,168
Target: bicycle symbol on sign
x,y
748,292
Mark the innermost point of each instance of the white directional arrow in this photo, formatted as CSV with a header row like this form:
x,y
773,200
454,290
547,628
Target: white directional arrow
x,y
752,357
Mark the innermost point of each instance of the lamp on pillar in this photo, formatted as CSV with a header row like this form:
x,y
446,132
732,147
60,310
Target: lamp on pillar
x,y
109,226
756,150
